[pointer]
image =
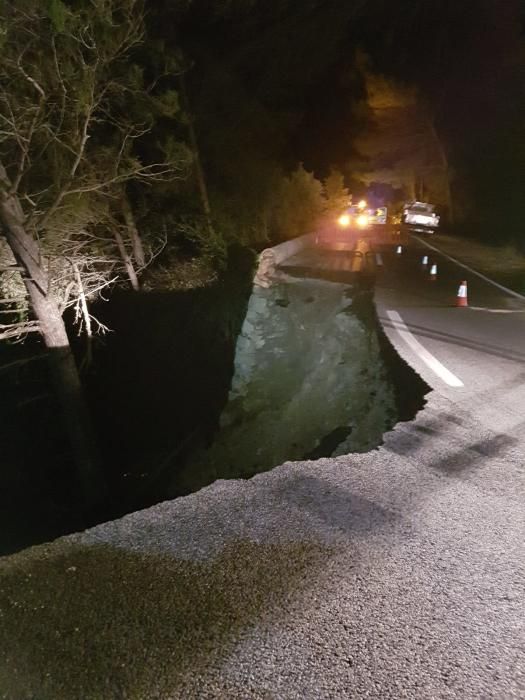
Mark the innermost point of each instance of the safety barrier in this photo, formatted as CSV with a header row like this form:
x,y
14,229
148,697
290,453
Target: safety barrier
x,y
270,258
360,255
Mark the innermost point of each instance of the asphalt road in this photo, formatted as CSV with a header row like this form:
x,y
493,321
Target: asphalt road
x,y
483,345
399,573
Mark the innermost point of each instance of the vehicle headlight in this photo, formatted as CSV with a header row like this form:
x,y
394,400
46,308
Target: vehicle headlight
x,y
362,221
344,220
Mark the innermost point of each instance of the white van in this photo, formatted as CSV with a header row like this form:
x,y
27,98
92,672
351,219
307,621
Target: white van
x,y
420,216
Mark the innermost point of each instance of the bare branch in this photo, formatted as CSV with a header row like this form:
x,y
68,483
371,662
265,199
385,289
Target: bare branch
x,y
80,154
17,330
82,317
156,172
33,82
101,328
25,146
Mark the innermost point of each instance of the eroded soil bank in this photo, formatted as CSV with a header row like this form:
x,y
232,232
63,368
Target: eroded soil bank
x,y
312,378
214,383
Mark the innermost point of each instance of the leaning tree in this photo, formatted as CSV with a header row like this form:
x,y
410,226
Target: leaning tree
x,y
67,150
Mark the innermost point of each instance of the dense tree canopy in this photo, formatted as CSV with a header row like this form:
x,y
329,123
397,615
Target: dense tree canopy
x,y
467,62
69,145
274,84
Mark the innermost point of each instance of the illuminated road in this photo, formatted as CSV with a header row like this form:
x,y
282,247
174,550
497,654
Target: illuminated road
x,y
482,346
398,573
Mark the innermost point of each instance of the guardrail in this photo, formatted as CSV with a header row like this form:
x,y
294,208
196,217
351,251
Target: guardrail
x,y
360,253
269,258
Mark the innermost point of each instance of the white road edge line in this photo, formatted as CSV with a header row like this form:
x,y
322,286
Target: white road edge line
x,y
497,311
429,359
470,269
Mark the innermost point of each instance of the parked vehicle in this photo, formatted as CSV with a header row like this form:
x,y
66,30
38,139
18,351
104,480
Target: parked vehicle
x,y
361,216
420,216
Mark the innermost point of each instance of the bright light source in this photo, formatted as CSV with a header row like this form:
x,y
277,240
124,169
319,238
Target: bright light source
x,y
362,204
362,220
344,220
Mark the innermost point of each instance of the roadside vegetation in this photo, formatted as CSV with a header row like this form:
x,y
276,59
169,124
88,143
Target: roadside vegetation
x,y
503,263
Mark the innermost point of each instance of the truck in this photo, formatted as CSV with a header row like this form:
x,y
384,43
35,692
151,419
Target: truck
x,y
420,216
361,215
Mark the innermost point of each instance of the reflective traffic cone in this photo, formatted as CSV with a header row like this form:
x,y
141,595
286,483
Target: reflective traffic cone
x,y
379,259
424,261
434,272
462,299
399,250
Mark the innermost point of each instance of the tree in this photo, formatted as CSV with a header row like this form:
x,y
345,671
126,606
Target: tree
x,y
300,204
67,146
439,47
336,193
400,146
255,71
151,101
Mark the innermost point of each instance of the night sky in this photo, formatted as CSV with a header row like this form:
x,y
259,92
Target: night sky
x,y
284,77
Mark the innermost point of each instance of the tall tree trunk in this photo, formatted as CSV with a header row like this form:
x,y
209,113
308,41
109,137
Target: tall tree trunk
x,y
446,172
134,236
199,171
413,186
128,263
64,371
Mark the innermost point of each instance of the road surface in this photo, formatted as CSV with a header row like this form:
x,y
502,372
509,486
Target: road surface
x,y
398,573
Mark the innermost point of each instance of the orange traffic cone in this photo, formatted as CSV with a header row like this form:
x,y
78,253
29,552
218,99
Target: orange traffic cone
x,y
434,272
462,299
